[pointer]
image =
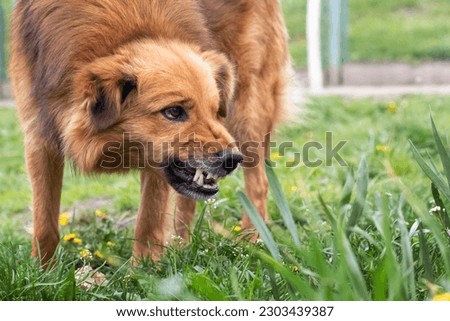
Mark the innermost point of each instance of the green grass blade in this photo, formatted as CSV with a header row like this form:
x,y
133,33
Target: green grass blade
x,y
352,268
443,213
202,284
431,222
331,218
196,235
432,175
260,226
282,204
407,262
380,281
362,184
348,188
70,285
383,222
273,283
235,284
443,153
426,261
304,288
362,233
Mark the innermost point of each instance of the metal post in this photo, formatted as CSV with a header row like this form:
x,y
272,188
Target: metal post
x,y
315,71
337,41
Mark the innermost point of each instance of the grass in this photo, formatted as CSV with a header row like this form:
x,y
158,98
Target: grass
x,y
403,30
358,232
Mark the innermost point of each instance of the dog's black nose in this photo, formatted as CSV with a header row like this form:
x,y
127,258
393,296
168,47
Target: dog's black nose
x,y
230,160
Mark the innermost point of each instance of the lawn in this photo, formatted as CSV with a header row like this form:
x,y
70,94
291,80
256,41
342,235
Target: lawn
x,y
383,246
401,30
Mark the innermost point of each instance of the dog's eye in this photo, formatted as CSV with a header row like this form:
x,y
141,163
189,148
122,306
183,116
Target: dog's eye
x,y
175,113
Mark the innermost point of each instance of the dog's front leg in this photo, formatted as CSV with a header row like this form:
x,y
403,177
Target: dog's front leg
x,y
45,169
151,220
184,216
256,187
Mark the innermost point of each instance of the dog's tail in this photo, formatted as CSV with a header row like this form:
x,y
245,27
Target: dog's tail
x,y
293,97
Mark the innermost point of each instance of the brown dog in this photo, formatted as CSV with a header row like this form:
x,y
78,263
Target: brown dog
x,y
112,85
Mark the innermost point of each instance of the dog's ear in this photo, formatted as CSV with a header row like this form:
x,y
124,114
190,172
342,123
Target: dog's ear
x,y
106,86
109,97
225,79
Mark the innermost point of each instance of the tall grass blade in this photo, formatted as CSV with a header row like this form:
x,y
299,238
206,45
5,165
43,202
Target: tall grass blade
x,y
273,284
353,270
70,285
443,153
431,222
380,281
304,288
432,175
259,224
361,193
382,218
348,188
407,262
331,218
426,261
196,235
443,213
235,284
282,204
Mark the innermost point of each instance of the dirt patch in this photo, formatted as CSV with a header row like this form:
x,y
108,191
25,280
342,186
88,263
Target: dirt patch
x,y
90,204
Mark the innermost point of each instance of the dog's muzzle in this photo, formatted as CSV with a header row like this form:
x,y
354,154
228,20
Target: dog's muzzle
x,y
198,178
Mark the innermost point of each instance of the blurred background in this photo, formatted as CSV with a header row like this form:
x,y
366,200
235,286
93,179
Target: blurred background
x,y
370,43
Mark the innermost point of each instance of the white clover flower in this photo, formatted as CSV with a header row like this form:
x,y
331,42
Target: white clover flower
x,y
435,209
176,239
210,201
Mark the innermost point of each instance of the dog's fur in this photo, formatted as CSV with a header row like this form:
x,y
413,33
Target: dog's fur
x,y
85,72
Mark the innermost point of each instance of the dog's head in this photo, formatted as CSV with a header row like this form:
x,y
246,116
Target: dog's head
x,y
155,106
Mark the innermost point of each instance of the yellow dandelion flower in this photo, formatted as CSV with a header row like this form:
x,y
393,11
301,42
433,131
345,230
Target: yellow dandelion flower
x,y
293,188
101,214
99,255
275,156
236,229
86,254
69,237
64,219
294,268
382,148
77,241
392,107
442,297
110,244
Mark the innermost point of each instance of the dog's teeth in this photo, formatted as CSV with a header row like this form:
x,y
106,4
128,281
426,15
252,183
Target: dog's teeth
x,y
198,173
200,180
215,177
209,176
209,186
